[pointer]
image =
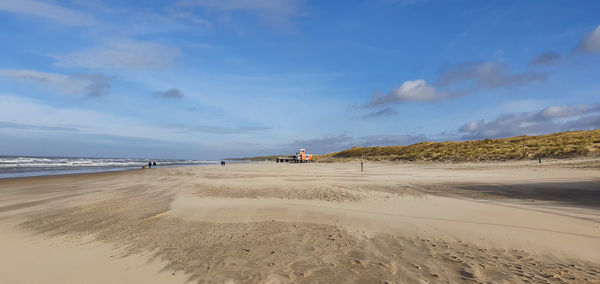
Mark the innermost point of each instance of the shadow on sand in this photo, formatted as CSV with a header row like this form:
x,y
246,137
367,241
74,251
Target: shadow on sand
x,y
579,193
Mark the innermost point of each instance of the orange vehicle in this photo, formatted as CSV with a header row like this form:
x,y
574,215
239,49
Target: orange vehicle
x,y
300,157
303,157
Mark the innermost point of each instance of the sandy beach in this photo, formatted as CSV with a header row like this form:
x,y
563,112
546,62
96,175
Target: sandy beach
x,y
503,222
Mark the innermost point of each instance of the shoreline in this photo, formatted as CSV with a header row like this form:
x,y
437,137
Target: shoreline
x,y
584,162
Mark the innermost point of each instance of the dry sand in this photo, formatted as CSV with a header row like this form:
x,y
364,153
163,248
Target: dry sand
x,y
506,222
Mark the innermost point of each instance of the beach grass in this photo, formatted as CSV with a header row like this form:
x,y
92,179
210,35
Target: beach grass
x,y
558,145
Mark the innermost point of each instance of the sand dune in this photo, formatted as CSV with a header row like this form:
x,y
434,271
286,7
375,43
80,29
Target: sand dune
x,y
266,222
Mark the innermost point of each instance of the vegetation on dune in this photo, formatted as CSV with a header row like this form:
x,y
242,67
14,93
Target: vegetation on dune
x,y
557,145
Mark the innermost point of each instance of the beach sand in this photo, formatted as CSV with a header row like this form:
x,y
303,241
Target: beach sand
x,y
510,222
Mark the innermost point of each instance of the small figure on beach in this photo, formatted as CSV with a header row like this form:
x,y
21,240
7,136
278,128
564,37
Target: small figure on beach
x,y
222,163
154,164
149,165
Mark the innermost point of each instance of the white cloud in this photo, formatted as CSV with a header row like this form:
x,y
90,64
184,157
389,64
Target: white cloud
x,y
547,120
121,54
93,85
591,42
568,111
409,91
48,11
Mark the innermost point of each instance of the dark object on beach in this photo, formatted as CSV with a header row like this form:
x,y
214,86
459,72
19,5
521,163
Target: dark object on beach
x,y
222,163
149,165
539,160
154,164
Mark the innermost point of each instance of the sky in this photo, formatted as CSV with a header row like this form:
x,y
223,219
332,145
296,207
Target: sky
x,y
210,79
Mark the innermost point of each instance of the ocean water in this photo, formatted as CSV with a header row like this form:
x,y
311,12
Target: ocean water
x,y
21,166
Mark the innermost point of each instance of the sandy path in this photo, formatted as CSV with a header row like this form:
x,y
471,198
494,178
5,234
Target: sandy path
x,y
496,222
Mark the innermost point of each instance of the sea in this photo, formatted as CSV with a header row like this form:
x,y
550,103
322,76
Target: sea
x,y
23,166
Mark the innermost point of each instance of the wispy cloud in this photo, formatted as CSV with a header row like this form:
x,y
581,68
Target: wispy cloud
x,y
88,121
590,42
322,145
547,58
276,12
547,120
384,112
468,76
12,125
277,7
92,85
47,11
169,94
85,120
121,54
223,129
402,3
390,140
488,75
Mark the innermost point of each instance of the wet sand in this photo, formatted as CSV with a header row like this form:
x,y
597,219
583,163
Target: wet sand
x,y
264,222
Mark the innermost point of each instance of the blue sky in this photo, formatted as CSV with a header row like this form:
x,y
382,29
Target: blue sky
x,y
207,79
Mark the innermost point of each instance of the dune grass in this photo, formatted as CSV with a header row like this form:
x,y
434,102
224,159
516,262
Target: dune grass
x,y
557,145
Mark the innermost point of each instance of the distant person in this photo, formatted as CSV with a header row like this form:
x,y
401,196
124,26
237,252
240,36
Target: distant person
x,y
222,163
154,164
149,165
